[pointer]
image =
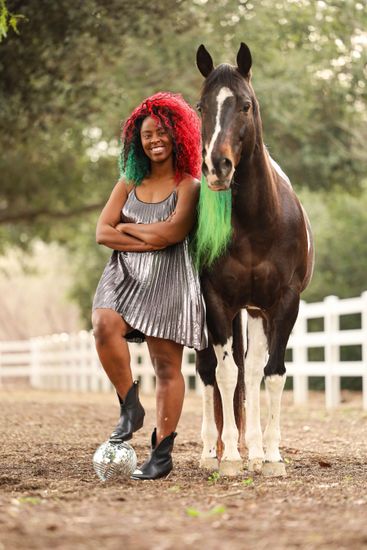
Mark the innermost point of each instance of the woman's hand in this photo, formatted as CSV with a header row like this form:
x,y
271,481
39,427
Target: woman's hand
x,y
119,227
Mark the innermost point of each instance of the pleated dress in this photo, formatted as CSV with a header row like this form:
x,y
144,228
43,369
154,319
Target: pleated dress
x,y
157,293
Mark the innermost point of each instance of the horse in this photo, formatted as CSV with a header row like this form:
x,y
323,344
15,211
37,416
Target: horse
x,y
262,264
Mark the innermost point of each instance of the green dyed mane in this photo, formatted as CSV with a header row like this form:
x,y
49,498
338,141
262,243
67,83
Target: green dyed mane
x,y
214,228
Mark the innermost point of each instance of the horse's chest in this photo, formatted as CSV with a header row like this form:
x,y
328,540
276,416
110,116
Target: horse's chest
x,y
248,281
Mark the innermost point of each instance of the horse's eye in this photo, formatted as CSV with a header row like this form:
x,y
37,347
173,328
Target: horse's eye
x,y
246,106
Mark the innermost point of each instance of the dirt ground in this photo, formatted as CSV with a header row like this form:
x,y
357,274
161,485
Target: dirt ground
x,y
51,498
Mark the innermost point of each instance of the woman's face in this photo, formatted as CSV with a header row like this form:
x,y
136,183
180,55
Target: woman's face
x,y
156,141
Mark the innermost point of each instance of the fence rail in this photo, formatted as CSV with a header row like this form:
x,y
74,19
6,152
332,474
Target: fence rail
x,y
338,348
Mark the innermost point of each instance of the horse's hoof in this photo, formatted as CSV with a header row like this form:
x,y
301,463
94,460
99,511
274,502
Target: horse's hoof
x,y
255,465
274,469
231,467
210,464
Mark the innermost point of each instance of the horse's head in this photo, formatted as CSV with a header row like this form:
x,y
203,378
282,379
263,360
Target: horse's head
x,y
228,109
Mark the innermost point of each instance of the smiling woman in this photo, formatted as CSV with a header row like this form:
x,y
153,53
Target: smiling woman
x,y
150,288
181,122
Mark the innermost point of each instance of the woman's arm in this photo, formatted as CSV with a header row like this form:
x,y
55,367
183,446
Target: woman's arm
x,y
106,233
177,226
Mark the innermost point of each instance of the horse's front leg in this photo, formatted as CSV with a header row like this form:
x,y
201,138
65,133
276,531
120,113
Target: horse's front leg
x,y
226,376
281,321
206,364
257,346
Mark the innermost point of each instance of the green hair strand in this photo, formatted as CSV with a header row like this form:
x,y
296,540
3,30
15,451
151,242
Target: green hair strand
x,y
214,229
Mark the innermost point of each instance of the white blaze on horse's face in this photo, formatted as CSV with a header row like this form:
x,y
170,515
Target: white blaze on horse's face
x,y
212,177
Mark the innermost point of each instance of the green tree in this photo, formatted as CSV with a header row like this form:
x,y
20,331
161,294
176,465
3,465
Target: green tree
x,y
339,222
77,69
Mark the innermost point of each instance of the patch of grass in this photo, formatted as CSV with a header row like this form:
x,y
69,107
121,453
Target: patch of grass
x,y
195,513
29,500
217,510
347,479
248,481
213,478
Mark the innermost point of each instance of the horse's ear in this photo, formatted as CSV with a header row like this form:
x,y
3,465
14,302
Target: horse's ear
x,y
244,60
204,61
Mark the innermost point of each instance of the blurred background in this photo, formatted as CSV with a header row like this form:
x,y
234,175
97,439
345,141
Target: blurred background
x,y
71,71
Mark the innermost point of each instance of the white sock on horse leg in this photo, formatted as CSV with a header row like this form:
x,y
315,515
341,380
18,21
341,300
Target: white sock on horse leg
x,y
226,376
209,433
274,388
254,371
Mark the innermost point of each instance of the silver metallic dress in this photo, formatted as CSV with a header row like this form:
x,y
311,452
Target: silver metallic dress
x,y
157,293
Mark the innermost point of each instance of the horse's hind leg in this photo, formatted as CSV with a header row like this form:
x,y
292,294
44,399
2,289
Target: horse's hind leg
x,y
206,363
281,322
254,370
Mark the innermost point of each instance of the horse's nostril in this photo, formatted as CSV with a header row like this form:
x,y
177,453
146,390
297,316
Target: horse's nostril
x,y
205,169
225,166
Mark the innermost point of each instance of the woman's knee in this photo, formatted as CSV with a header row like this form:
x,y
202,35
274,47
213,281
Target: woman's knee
x,y
107,324
167,366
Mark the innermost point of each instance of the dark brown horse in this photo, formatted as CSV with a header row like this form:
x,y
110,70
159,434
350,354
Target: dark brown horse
x,y
267,264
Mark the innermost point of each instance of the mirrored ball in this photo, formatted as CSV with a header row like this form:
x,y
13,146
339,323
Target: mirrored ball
x,y
113,460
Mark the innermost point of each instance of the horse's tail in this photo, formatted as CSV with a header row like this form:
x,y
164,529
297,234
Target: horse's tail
x,y
239,395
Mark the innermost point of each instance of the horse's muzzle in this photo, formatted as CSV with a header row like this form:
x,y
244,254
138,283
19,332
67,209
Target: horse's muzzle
x,y
219,185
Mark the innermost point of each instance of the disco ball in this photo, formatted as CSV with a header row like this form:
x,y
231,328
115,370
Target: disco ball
x,y
112,460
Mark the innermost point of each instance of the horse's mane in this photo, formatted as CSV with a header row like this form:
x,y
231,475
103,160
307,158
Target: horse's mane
x,y
214,228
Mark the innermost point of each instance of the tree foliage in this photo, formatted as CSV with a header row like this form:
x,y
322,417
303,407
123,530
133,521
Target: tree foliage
x,y
76,69
8,20
339,223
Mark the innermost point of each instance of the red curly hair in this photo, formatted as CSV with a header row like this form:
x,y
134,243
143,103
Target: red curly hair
x,y
182,123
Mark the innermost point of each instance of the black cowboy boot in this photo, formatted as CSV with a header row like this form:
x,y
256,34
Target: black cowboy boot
x,y
160,462
131,415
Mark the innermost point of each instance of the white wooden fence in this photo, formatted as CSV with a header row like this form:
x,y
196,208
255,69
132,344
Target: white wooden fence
x,y
70,362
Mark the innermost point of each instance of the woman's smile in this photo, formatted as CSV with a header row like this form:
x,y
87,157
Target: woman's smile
x,y
157,148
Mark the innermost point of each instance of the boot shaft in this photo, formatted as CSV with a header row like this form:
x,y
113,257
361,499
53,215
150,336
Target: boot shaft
x,y
159,464
131,415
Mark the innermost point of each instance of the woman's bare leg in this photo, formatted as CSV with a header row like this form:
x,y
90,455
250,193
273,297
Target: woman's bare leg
x,y
109,331
166,357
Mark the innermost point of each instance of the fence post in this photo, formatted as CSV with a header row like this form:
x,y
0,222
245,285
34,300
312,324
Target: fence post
x,y
35,371
95,369
84,363
364,347
300,381
332,382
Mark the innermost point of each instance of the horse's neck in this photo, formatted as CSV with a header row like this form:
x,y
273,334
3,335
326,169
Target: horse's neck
x,y
255,194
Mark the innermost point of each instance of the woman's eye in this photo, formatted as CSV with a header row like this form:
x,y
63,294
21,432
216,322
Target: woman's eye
x,y
198,107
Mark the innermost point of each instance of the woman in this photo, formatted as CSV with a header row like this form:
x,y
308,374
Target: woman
x,y
150,289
